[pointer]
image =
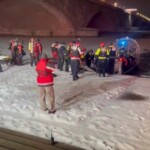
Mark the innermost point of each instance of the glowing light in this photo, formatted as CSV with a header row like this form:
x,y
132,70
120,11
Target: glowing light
x,y
122,43
115,4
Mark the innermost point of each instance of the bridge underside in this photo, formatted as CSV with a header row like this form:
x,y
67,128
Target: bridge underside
x,y
60,18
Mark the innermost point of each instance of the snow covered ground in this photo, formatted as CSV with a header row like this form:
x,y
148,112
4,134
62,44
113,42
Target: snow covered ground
x,y
94,113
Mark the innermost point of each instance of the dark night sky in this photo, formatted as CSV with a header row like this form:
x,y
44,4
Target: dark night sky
x,y
143,6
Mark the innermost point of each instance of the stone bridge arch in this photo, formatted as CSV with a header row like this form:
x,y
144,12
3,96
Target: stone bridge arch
x,y
109,20
33,16
65,27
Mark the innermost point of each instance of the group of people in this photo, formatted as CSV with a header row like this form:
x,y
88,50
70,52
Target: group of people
x,y
17,51
102,61
35,49
71,55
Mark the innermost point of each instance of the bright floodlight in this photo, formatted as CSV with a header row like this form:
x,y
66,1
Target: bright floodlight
x,y
130,10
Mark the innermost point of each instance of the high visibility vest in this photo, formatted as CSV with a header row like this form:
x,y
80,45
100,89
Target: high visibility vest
x,y
102,55
30,48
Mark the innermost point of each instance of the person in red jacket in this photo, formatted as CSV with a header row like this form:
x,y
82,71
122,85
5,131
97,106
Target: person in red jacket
x,y
45,82
54,50
39,46
20,53
13,48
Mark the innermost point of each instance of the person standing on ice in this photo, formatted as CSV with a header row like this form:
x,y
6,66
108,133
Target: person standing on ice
x,y
67,57
112,57
39,47
54,49
102,55
30,48
13,48
61,55
20,53
75,60
45,83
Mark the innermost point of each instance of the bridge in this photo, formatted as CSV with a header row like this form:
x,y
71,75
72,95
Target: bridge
x,y
60,18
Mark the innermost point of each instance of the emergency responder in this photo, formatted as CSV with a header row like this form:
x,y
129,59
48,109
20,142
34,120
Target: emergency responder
x,y
75,60
83,50
82,59
67,57
54,49
36,51
102,54
61,55
20,53
13,48
30,48
39,47
122,61
89,57
112,57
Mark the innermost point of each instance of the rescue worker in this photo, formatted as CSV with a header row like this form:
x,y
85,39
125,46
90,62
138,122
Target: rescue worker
x,y
13,48
82,59
112,57
54,49
89,57
20,53
45,83
102,54
75,60
35,49
67,57
83,50
122,61
30,48
61,55
39,46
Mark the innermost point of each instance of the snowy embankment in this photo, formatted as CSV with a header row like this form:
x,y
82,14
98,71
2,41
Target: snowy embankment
x,y
111,113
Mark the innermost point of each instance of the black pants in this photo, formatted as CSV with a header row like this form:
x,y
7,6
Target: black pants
x,y
34,59
75,68
111,66
102,67
13,60
67,63
60,63
19,59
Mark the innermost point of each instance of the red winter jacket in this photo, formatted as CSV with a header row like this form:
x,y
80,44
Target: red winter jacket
x,y
20,48
39,47
44,72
